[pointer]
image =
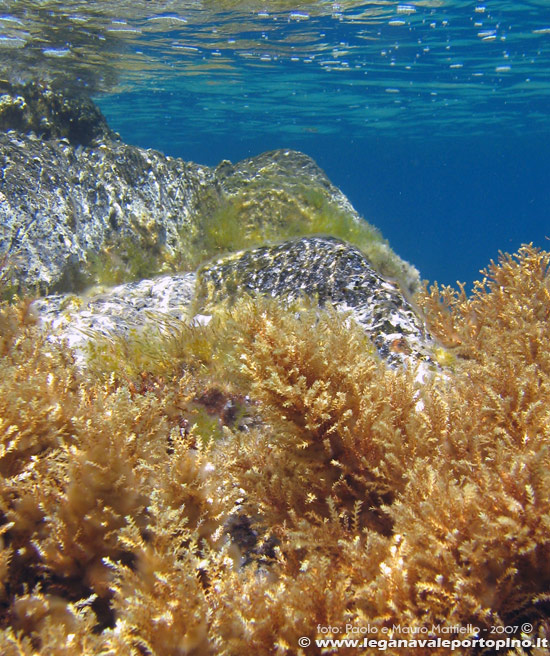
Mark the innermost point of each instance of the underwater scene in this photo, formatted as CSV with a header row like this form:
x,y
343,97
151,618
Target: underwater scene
x,y
274,328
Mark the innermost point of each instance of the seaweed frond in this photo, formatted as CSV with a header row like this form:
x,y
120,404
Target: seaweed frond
x,y
342,424
160,601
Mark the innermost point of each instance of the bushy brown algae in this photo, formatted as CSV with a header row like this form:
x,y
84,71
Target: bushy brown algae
x,y
386,501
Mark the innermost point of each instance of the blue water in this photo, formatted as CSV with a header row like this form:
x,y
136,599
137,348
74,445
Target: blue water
x,y
433,120
431,116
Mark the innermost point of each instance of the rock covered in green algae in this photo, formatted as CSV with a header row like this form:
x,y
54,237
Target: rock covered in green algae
x,y
79,207
76,204
283,194
332,272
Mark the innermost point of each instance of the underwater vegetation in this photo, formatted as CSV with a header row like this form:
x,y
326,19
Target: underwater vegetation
x,y
126,260
226,222
253,217
225,489
272,209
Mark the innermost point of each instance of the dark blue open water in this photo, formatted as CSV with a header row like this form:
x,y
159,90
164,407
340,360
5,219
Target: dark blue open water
x,y
432,116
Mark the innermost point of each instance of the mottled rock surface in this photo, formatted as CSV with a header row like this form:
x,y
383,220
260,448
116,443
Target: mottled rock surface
x,y
332,272
321,268
37,108
282,194
115,312
59,204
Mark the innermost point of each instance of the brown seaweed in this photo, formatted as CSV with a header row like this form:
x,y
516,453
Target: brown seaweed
x,y
387,502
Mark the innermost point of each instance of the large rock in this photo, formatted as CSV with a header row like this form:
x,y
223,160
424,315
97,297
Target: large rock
x,y
79,207
70,214
37,108
115,312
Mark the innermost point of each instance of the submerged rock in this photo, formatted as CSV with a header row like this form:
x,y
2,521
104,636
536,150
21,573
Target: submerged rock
x,y
331,272
326,270
114,312
283,194
78,207
70,217
49,113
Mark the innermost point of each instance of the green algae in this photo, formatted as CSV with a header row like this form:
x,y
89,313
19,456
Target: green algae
x,y
125,261
261,214
172,347
246,219
256,215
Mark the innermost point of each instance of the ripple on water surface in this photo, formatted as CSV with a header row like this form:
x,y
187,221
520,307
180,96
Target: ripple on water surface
x,y
307,68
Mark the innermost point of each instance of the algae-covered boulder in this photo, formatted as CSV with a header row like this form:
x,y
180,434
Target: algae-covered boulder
x,y
283,194
79,207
